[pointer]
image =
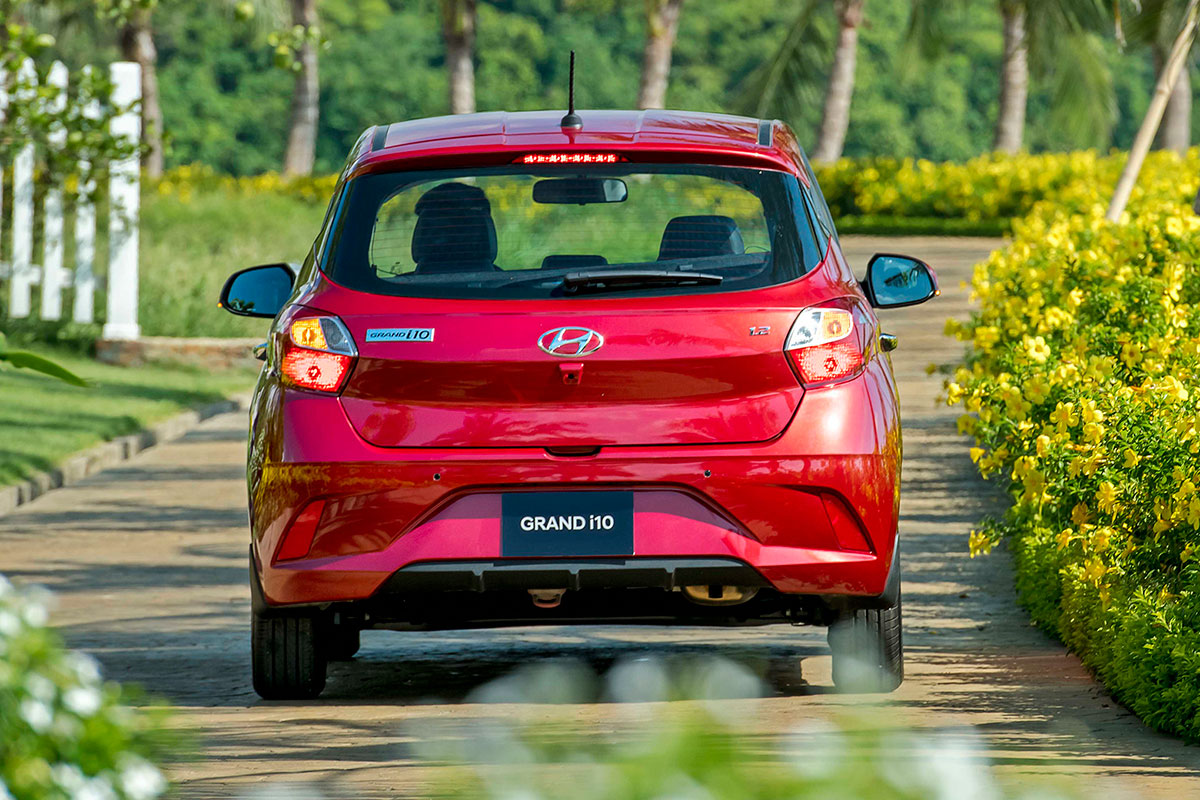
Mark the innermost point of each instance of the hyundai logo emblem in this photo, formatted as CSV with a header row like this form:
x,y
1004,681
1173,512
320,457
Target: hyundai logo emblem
x,y
570,342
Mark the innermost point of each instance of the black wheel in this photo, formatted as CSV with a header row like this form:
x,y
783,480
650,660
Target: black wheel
x,y
341,642
868,650
287,661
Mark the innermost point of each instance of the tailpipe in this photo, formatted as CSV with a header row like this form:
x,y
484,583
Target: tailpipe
x,y
717,595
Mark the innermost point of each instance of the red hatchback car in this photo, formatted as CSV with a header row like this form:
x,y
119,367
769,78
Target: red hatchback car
x,y
610,373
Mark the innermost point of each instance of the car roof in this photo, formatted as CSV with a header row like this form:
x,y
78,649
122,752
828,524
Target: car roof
x,y
502,136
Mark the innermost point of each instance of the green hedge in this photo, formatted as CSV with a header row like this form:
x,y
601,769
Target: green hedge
x,y
1082,387
64,733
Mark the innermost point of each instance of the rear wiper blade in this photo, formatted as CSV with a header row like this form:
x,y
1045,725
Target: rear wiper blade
x,y
616,280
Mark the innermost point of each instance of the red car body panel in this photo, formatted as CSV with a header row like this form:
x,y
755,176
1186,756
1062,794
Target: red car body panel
x,y
727,453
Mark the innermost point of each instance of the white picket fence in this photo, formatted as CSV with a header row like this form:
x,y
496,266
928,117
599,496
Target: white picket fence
x,y
23,273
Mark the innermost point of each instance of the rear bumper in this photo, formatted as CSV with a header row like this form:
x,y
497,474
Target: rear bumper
x,y
389,515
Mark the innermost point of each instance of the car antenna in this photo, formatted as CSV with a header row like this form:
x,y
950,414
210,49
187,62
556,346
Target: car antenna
x,y
571,120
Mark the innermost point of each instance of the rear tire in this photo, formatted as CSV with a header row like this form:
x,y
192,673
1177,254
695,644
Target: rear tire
x,y
341,642
868,650
286,659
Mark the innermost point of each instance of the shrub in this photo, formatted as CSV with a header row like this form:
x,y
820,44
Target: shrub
x,y
65,734
698,748
1082,387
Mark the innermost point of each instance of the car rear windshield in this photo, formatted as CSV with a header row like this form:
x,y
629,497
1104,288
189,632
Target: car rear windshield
x,y
545,232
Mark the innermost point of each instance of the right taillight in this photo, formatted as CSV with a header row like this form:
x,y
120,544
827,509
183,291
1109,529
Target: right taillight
x,y
824,345
317,354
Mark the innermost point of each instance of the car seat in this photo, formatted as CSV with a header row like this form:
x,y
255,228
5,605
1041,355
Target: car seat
x,y
454,231
699,236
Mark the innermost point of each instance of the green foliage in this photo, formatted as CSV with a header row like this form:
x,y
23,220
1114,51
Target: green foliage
x,y
30,116
46,421
692,748
1083,390
226,107
64,732
22,359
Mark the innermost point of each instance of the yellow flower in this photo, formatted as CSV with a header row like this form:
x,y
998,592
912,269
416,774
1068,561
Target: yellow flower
x,y
1088,411
1131,458
1064,538
1064,416
1106,498
1042,443
1080,515
1093,432
1093,570
1037,348
976,453
1037,391
979,543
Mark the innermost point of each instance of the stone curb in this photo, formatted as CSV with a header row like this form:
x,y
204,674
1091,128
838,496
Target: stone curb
x,y
115,451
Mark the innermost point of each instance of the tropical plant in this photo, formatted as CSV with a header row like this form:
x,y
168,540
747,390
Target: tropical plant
x,y
697,748
1082,388
1172,69
835,118
297,50
22,359
458,32
1059,40
135,22
65,732
662,23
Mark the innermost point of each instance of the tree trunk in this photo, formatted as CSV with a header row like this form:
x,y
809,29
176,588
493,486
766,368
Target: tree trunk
x,y
1176,61
1014,79
458,28
1175,133
835,117
306,97
662,23
137,44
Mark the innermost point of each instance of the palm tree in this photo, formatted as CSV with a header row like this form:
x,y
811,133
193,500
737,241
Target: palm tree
x,y
1173,67
787,82
835,116
306,95
1059,39
135,23
1155,24
137,44
1175,133
662,23
1014,78
458,29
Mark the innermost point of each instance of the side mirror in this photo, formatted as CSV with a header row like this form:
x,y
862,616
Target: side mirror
x,y
897,281
258,291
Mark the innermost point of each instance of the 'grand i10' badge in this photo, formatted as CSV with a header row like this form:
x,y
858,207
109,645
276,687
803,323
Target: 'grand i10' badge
x,y
400,334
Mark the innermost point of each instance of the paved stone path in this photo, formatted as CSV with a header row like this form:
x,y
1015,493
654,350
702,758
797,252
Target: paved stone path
x,y
149,563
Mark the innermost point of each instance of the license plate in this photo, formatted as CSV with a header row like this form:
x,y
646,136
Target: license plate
x,y
566,524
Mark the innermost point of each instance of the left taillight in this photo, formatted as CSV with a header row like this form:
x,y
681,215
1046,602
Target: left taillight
x,y
824,345
318,353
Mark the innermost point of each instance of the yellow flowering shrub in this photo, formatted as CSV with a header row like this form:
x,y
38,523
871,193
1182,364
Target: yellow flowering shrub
x,y
1082,391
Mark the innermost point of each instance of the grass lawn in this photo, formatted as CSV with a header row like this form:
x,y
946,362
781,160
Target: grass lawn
x,y
43,421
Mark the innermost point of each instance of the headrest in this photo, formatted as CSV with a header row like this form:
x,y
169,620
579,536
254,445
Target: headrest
x,y
699,236
454,230
566,261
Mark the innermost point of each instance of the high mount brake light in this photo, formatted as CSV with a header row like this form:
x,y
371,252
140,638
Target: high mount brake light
x,y
570,158
317,354
824,346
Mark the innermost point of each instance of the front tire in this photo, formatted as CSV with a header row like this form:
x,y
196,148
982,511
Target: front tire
x,y
868,649
286,658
